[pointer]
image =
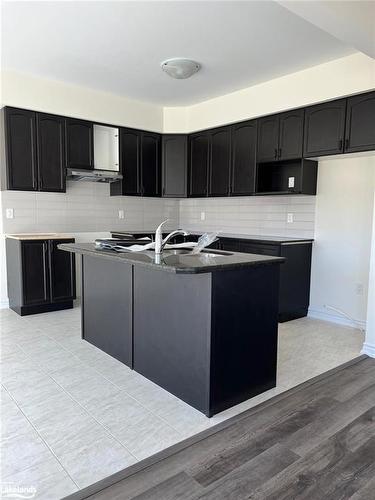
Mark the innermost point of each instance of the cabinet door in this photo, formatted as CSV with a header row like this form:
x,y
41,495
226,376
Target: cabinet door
x,y
130,164
151,182
229,245
174,160
51,152
79,144
35,276
360,123
259,248
244,147
21,149
220,162
268,138
324,129
198,164
62,272
291,135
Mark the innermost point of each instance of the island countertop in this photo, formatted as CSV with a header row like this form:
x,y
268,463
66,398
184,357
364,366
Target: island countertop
x,y
206,262
275,240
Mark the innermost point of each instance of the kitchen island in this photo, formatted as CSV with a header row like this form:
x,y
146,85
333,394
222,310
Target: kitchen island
x,y
203,327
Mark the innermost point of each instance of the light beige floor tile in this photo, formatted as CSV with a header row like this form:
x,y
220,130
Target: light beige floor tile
x,y
48,478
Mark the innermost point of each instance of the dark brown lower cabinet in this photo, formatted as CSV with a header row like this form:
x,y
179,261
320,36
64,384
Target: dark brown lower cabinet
x,y
294,292
40,277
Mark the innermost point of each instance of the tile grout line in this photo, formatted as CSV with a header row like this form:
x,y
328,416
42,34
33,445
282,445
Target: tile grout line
x,y
36,430
84,409
115,385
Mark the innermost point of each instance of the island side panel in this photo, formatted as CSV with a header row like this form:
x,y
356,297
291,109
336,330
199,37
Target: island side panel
x,y
107,308
244,334
172,320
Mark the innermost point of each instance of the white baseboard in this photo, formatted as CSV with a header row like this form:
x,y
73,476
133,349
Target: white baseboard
x,y
368,349
4,304
335,318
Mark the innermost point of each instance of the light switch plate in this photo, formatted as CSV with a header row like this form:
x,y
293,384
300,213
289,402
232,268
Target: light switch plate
x,y
121,214
9,213
290,218
203,215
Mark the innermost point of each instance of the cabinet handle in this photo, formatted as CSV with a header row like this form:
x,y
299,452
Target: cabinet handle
x,y
341,142
279,152
163,191
346,143
275,153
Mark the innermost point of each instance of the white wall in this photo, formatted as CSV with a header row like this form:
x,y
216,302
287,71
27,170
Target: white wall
x,y
348,75
25,91
369,345
343,222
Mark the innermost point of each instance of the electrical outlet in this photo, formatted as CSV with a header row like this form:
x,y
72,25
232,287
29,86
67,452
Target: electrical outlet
x,y
359,288
291,182
121,214
290,218
9,213
203,215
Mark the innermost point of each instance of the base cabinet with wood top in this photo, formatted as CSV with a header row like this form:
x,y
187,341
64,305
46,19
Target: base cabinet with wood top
x,y
41,278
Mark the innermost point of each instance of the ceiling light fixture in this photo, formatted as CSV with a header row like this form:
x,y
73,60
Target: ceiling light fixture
x,y
180,68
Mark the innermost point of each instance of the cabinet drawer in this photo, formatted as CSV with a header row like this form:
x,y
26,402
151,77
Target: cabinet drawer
x,y
258,248
230,245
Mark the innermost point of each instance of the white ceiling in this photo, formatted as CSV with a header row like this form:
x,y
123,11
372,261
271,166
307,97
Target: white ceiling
x,y
118,46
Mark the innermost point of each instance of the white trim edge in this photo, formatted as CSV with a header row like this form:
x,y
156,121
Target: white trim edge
x,y
335,318
368,349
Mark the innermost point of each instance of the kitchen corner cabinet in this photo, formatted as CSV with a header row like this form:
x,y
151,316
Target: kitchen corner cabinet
x,y
360,123
41,277
35,151
198,164
244,149
174,165
79,144
324,129
140,164
280,136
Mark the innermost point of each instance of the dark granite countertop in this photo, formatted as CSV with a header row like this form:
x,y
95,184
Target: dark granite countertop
x,y
206,262
276,240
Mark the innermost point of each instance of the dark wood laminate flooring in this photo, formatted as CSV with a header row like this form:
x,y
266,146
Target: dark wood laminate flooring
x,y
316,441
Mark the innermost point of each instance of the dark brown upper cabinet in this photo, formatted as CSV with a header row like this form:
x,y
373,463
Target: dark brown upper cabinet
x,y
291,135
220,162
51,152
268,138
198,164
174,165
21,154
360,123
244,150
150,164
324,129
130,164
139,164
79,144
280,137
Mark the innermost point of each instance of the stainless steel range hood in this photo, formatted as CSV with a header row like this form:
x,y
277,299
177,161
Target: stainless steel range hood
x,y
95,175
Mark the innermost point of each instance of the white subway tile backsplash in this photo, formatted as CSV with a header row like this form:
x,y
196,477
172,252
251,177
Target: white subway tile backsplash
x,y
264,215
88,207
